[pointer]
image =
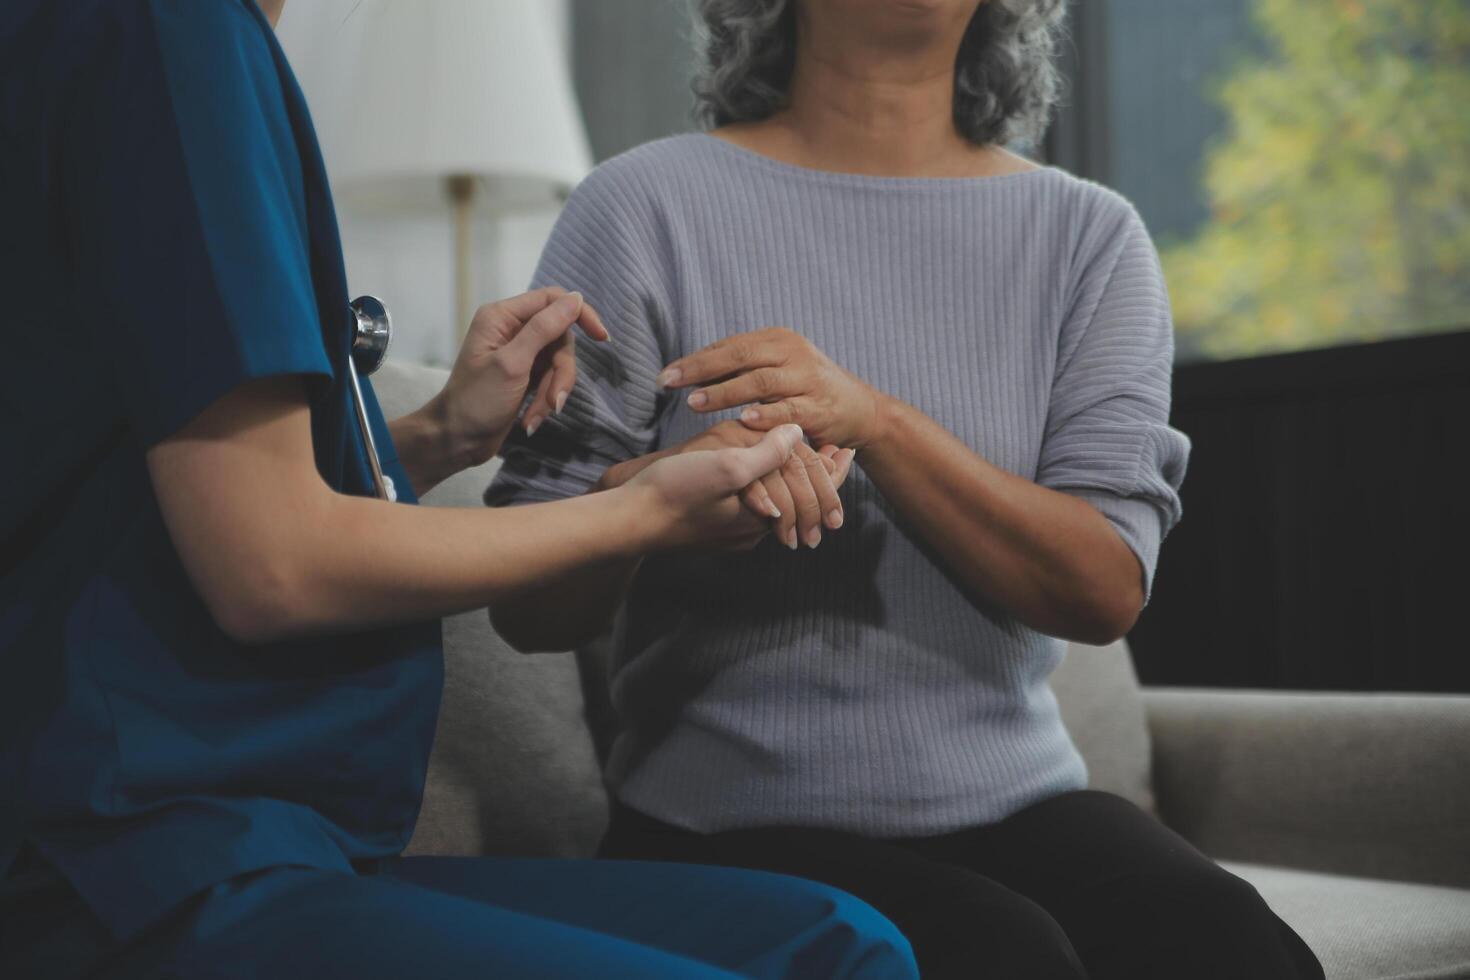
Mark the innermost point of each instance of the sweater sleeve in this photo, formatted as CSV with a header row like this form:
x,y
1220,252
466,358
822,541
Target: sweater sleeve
x,y
1107,438
604,245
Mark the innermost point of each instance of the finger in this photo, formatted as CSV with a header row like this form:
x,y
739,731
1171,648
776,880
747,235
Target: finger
x,y
829,454
546,327
759,501
592,323
780,494
496,324
527,304
540,406
509,315
808,508
759,385
552,384
770,454
843,459
834,468
752,503
793,410
828,503
563,373
732,355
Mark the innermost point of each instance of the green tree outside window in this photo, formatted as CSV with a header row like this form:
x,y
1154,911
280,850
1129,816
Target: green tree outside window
x,y
1340,190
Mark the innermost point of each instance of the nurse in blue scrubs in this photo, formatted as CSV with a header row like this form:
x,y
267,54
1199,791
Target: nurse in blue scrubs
x,y
221,662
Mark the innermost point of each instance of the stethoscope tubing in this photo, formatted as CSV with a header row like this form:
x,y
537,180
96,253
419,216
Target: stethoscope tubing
x,y
382,485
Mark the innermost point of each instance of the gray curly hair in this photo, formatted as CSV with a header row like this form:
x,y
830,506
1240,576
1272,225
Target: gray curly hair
x,y
1005,82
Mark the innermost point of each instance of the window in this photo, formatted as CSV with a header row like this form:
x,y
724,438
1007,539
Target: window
x,y
1304,165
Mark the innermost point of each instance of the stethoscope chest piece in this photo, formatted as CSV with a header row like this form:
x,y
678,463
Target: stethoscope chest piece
x,y
372,332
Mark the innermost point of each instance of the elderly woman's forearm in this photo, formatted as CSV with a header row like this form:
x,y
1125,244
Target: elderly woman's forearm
x,y
1048,558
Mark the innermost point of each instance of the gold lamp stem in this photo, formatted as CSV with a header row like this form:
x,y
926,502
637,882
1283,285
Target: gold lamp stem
x,y
461,189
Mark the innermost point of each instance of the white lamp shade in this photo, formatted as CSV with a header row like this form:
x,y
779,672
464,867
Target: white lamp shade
x,y
421,90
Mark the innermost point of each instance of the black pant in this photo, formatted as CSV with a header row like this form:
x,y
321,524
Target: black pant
x,y
1081,885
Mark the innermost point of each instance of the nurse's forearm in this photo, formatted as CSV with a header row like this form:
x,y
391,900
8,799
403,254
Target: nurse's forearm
x,y
275,552
539,619
427,450
420,443
363,562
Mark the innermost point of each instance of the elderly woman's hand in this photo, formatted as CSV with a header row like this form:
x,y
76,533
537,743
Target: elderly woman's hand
x,y
793,502
698,489
782,378
800,497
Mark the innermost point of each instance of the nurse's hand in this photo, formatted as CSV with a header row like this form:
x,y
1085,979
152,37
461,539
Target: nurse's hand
x,y
514,346
797,500
694,497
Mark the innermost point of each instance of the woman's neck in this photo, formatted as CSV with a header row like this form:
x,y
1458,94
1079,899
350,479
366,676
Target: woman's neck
x,y
881,110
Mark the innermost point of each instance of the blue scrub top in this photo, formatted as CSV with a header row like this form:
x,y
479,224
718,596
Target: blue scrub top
x,y
168,234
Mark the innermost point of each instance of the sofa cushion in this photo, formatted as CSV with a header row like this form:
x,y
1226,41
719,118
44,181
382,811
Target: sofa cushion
x,y
1367,929
1102,708
513,770
1372,785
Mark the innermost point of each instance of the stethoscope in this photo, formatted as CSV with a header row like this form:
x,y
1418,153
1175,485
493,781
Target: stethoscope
x,y
372,331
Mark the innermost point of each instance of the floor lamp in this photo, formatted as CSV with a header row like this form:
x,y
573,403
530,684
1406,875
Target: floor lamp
x,y
464,103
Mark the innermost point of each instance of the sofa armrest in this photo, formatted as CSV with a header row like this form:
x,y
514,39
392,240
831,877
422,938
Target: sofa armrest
x,y
1371,785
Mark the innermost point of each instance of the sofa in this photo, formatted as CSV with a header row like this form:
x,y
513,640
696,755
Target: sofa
x,y
1349,813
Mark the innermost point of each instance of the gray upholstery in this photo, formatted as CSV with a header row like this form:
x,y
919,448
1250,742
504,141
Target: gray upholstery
x,y
1103,709
513,769
1377,787
1366,929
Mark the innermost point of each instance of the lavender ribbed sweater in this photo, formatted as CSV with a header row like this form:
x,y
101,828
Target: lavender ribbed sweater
x,y
856,686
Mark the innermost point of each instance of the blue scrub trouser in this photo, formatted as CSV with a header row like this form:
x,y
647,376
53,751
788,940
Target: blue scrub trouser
x,y
512,917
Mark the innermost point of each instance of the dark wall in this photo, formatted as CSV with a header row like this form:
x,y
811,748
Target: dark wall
x,y
631,62
1326,534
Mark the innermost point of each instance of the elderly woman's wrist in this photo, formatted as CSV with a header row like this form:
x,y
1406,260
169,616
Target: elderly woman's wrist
x,y
886,420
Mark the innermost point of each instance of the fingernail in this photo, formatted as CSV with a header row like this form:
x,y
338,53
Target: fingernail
x,y
750,415
791,539
571,302
771,509
698,399
814,537
532,426
669,377
561,401
834,518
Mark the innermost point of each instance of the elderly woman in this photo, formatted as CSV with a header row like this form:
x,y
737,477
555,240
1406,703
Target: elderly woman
x,y
852,248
